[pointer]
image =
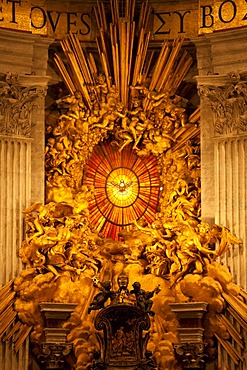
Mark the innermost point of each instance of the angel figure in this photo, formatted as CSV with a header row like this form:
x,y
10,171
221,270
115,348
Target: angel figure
x,y
76,105
225,238
109,118
100,299
101,87
143,297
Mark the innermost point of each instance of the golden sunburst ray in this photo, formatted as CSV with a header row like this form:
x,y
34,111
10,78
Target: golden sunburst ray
x,y
125,60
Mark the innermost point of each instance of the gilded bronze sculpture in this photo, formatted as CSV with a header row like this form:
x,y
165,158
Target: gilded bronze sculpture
x,y
123,344
143,298
129,112
101,298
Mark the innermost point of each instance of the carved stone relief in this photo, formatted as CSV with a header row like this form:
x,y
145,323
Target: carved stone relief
x,y
228,104
16,105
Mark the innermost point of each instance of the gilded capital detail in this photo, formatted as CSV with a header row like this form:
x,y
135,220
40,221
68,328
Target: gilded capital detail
x,y
228,104
16,105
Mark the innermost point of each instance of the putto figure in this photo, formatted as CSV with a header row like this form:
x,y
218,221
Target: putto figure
x,y
101,298
122,295
143,297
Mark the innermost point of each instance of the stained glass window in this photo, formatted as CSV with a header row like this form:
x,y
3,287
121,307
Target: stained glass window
x,y
126,188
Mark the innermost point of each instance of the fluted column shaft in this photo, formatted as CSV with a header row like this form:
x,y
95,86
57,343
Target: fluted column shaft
x,y
224,168
23,85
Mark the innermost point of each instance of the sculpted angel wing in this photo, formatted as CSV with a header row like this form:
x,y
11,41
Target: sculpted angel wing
x,y
225,237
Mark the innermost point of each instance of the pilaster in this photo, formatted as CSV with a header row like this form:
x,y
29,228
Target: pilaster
x,y
224,168
23,85
222,86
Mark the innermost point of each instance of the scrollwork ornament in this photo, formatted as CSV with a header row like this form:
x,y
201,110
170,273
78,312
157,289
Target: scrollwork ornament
x,y
228,104
16,105
191,354
53,355
234,77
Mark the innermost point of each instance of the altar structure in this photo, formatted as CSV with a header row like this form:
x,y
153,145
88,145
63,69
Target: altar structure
x,y
122,152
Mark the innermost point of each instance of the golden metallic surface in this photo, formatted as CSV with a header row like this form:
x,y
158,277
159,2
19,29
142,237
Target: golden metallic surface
x,y
65,253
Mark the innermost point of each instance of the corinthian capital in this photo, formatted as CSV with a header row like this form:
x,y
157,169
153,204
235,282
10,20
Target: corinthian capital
x,y
228,102
16,104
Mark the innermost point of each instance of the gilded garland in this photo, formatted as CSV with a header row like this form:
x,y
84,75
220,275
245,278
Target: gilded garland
x,y
123,193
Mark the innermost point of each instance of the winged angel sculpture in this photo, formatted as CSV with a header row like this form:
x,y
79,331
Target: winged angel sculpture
x,y
130,97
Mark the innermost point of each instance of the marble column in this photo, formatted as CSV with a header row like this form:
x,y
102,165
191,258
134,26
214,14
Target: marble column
x,y
23,85
222,89
222,86
224,167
